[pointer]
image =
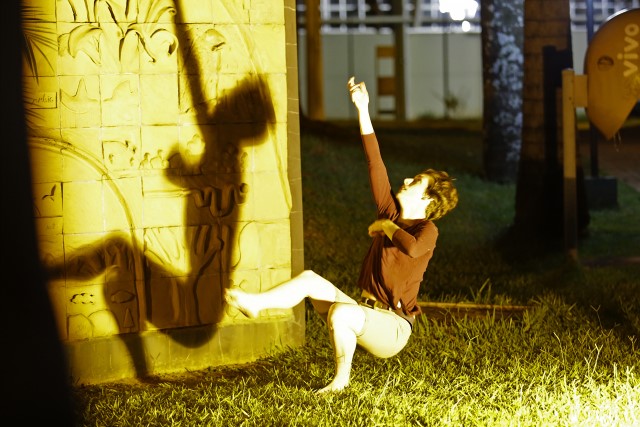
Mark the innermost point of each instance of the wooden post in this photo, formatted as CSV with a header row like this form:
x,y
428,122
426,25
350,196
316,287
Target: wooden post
x,y
400,43
315,87
574,94
569,162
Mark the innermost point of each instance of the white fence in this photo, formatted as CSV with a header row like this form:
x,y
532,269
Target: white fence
x,y
427,75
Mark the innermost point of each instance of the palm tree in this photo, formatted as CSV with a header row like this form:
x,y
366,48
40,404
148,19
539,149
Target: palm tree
x,y
502,62
36,37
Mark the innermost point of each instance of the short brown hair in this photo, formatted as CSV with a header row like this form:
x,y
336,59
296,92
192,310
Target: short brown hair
x,y
442,192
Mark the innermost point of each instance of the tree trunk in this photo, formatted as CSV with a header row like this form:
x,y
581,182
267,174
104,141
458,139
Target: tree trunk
x,y
502,62
547,51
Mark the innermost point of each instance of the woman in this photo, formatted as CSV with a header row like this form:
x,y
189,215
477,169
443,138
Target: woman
x,y
404,237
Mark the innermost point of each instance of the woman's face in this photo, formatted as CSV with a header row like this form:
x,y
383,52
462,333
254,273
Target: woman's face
x,y
412,193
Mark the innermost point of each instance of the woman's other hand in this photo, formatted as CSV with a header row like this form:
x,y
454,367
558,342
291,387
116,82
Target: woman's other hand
x,y
382,227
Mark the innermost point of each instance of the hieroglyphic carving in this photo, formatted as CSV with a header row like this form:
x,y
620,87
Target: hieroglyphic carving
x,y
119,155
179,257
137,24
158,160
126,146
115,259
192,157
47,200
121,107
80,101
220,201
80,105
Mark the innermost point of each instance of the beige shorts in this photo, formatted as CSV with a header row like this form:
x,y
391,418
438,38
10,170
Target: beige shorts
x,y
384,333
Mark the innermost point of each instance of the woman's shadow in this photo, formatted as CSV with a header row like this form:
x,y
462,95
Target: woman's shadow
x,y
141,282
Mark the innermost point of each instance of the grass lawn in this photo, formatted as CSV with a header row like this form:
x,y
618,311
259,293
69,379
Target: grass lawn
x,y
573,359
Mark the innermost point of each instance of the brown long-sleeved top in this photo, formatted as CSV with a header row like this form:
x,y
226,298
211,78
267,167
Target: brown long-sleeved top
x,y
393,269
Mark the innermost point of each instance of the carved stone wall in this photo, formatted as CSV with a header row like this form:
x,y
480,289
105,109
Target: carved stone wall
x,y
164,143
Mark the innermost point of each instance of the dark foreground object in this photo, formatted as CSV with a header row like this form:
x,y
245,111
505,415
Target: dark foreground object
x,y
445,312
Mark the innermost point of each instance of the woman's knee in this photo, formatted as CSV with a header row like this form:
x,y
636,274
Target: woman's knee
x,y
308,274
347,315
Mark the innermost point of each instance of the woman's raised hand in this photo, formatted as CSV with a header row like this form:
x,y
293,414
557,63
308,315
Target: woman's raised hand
x,y
359,94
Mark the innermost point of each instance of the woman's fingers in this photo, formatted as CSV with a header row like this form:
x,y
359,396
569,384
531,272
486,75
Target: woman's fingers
x,y
363,87
353,86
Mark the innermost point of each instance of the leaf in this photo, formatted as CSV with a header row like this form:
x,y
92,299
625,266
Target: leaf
x,y
170,38
146,40
128,47
35,38
132,31
159,8
63,44
85,38
104,6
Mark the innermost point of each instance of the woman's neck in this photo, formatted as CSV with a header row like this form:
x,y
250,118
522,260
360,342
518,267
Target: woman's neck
x,y
409,221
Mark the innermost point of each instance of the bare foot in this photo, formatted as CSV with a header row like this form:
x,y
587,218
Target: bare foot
x,y
334,386
240,300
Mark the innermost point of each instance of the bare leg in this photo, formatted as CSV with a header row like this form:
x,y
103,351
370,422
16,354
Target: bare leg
x,y
345,319
345,323
286,295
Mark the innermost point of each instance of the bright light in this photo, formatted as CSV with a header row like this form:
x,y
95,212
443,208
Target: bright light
x,y
466,26
459,9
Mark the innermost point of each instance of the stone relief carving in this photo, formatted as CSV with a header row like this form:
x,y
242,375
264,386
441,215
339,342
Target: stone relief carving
x,y
119,155
137,24
80,101
141,276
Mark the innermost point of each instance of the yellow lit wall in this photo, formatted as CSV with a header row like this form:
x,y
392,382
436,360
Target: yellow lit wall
x,y
164,145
